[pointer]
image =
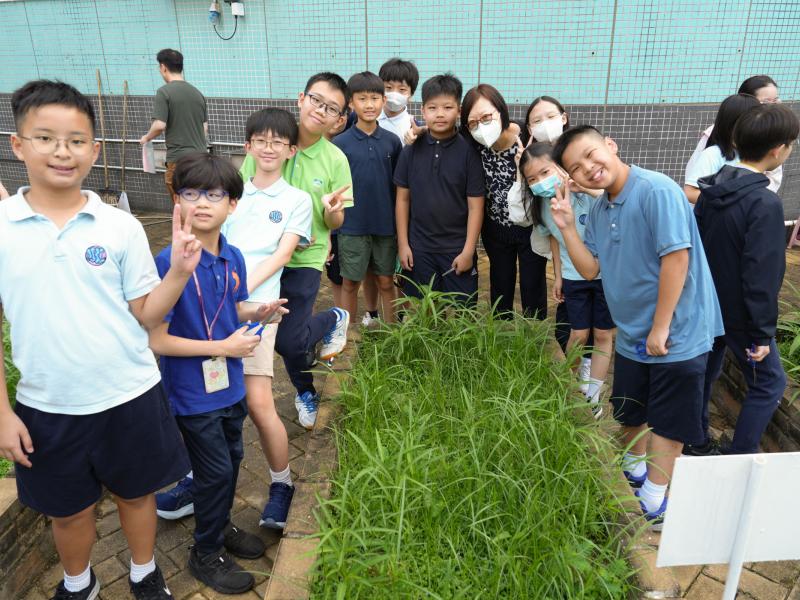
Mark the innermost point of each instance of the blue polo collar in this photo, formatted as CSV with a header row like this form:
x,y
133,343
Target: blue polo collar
x,y
207,259
446,142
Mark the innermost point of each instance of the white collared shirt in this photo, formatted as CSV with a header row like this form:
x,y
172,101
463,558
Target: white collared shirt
x,y
258,223
398,124
65,292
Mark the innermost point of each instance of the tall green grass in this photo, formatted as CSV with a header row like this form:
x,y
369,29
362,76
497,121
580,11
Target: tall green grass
x,y
12,377
789,334
467,470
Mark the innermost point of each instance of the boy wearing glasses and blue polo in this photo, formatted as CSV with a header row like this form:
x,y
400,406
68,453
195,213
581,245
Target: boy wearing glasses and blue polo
x,y
201,346
320,169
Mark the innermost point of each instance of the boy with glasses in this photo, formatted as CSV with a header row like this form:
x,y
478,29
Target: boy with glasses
x,y
320,169
90,411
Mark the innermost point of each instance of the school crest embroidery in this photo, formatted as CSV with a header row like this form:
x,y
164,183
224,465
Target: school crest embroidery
x,y
96,255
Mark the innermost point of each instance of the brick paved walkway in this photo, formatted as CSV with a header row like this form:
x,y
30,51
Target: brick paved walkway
x,y
762,581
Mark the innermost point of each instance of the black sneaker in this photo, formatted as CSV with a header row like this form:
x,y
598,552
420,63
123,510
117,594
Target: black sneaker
x,y
220,572
88,593
151,587
242,544
710,448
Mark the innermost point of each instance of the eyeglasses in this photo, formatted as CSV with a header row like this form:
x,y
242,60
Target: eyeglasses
x,y
47,144
193,194
483,120
262,144
331,110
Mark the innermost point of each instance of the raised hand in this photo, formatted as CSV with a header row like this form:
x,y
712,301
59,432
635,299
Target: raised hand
x,y
520,150
334,201
186,249
271,312
561,207
413,132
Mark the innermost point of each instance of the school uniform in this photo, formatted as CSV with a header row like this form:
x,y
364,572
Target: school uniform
x,y
90,392
741,225
440,175
367,237
630,235
210,421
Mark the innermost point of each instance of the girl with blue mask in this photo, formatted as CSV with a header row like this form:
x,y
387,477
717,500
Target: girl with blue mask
x,y
585,302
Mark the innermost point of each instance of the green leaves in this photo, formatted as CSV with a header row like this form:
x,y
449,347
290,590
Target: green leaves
x,y
469,467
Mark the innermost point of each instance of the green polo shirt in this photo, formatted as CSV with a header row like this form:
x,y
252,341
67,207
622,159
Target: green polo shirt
x,y
318,170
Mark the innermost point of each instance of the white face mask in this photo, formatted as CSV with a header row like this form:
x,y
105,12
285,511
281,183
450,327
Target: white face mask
x,y
487,134
548,130
395,101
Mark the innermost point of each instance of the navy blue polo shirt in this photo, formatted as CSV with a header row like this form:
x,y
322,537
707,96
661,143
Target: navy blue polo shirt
x,y
439,175
183,376
372,161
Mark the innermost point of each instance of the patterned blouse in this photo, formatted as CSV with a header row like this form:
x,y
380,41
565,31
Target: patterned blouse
x,y
500,172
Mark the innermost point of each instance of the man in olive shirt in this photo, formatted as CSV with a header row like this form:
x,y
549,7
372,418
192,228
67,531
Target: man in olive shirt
x,y
180,110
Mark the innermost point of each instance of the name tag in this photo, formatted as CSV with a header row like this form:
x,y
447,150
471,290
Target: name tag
x,y
215,374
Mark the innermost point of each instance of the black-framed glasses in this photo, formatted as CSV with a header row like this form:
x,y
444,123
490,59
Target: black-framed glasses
x,y
330,109
483,120
47,144
262,144
193,194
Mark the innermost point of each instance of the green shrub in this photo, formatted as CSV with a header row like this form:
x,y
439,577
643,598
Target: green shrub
x,y
789,334
12,377
468,470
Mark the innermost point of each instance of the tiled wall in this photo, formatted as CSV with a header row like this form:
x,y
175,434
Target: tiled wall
x,y
659,136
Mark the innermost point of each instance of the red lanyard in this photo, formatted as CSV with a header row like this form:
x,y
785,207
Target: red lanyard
x,y
210,328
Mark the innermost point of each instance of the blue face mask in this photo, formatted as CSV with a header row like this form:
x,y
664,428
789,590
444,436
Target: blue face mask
x,y
546,188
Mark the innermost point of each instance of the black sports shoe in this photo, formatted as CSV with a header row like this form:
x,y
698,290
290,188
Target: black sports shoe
x,y
710,448
88,593
242,544
220,572
151,587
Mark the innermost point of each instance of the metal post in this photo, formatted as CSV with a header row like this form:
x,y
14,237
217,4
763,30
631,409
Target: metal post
x,y
743,531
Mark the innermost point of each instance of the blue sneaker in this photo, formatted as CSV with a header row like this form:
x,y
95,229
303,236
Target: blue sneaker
x,y
655,518
306,405
633,480
177,502
336,339
277,507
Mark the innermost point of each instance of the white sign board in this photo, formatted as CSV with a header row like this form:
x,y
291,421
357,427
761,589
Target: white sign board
x,y
705,511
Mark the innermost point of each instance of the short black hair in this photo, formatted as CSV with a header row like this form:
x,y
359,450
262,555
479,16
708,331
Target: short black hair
x,y
397,69
442,85
333,80
366,81
276,120
569,136
729,112
204,171
172,59
484,90
752,84
41,92
764,127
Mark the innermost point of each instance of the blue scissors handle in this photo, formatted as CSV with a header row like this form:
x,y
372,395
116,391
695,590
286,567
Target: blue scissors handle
x,y
641,348
253,325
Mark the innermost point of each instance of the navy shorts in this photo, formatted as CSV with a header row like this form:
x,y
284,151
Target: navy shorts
x,y
332,269
586,304
430,268
132,449
668,397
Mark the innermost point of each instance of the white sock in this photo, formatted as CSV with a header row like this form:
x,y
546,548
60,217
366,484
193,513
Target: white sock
x,y
634,464
284,476
652,495
583,374
190,475
593,390
76,583
139,572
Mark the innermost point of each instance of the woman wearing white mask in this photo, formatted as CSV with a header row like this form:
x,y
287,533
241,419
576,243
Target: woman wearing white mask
x,y
485,120
546,120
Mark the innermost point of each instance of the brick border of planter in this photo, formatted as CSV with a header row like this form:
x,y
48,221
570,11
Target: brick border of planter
x,y
26,546
296,554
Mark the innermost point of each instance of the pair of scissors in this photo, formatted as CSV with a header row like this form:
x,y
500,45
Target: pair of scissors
x,y
641,348
750,360
252,325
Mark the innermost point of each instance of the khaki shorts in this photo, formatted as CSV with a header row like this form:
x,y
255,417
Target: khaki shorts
x,y
264,354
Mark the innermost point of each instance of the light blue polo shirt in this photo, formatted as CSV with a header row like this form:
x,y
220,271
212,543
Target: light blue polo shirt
x,y
581,205
708,163
258,223
76,343
649,219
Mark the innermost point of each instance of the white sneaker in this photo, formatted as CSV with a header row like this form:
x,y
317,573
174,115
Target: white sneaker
x,y
307,404
367,320
584,374
336,339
